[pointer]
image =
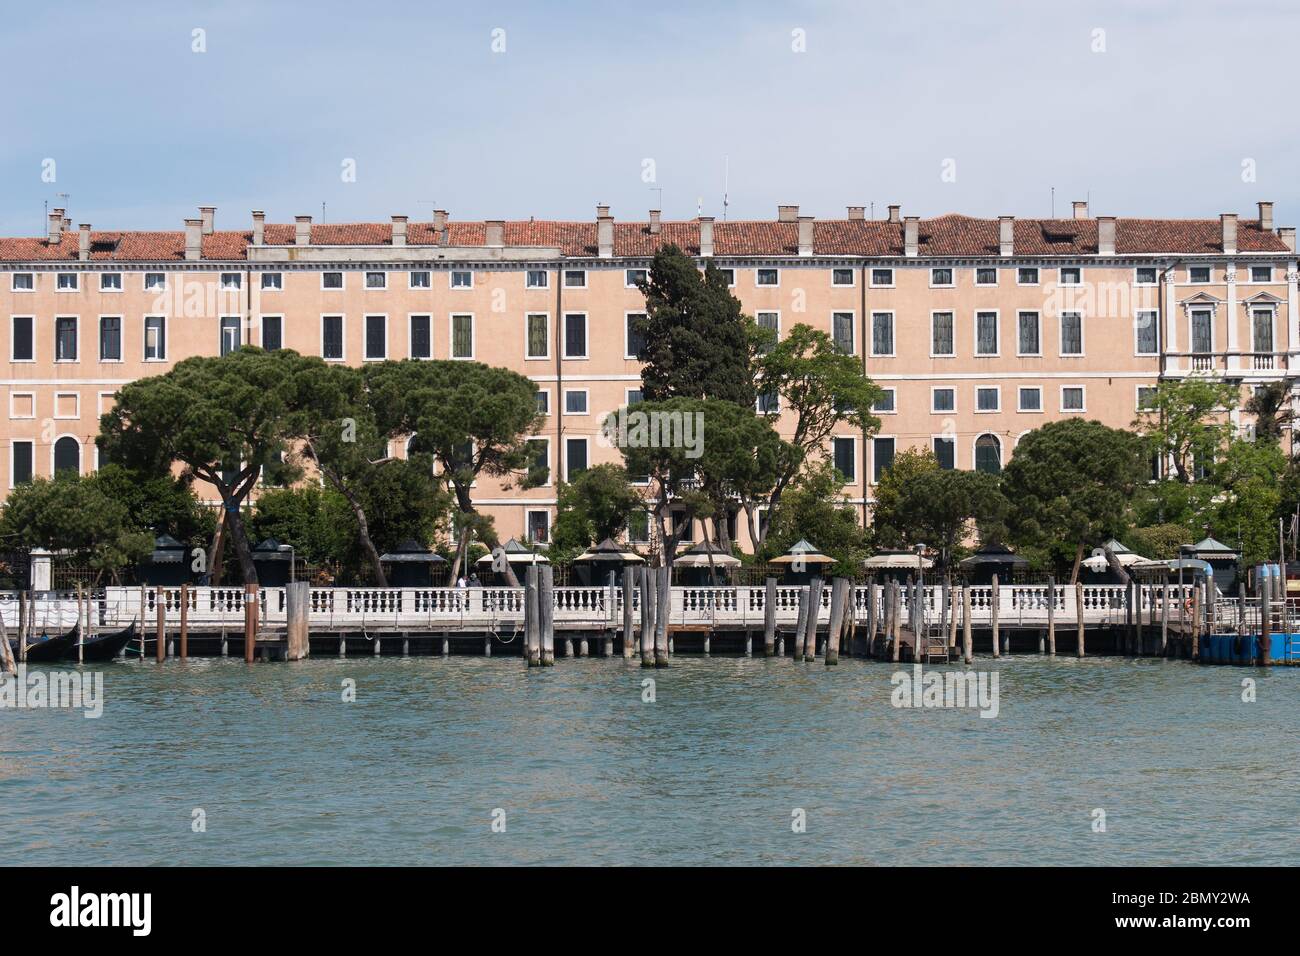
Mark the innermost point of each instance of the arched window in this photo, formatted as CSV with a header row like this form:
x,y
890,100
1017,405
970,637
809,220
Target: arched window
x,y
67,455
988,454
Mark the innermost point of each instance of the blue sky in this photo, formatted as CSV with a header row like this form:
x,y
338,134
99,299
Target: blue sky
x,y
142,129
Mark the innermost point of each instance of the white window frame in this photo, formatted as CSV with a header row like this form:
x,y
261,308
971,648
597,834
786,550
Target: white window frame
x,y
239,328
627,396
263,276
261,327
1155,323
54,444
1208,281
1253,266
586,440
1192,307
14,416
410,282
893,334
76,334
546,279
1038,276
952,278
343,335
1137,396
586,402
997,390
564,278
76,414
1060,335
627,352
1060,275
974,448
76,282
871,278
144,282
343,280
32,320
99,339
549,529
975,277
586,338
550,469
853,329
853,277
943,355
13,283
948,437
549,406
451,337
730,271
1020,403
537,358
1083,390
451,280
365,336
632,285
1251,309
410,338
871,471
1038,319
13,446
238,280
758,270
1153,283
121,285
853,479
365,280
943,388
997,333
893,393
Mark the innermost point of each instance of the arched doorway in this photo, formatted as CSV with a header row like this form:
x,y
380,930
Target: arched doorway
x,y
67,455
988,454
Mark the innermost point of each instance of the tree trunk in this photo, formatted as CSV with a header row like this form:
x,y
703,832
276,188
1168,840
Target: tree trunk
x,y
217,551
1078,559
245,554
363,527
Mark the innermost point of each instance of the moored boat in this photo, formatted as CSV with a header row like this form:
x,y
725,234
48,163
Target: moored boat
x,y
46,649
103,647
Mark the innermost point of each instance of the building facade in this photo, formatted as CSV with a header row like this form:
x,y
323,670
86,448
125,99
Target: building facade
x,y
978,330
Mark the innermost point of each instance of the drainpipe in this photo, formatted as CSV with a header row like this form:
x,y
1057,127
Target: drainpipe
x,y
862,344
557,405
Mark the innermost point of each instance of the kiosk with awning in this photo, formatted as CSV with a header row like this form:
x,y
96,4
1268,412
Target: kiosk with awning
x,y
803,562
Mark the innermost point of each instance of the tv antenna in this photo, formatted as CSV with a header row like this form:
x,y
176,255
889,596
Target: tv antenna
x,y
726,185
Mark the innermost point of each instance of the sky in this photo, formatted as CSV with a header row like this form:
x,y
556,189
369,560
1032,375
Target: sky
x,y
510,110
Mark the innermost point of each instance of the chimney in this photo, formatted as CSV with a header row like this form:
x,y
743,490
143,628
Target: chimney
x,y
67,223
805,235
654,222
857,212
193,239
1105,235
895,213
1287,235
83,244
911,235
259,227
1266,216
302,230
399,230
496,232
55,226
1007,235
1228,221
439,220
209,216
604,232
706,236
787,213
1080,209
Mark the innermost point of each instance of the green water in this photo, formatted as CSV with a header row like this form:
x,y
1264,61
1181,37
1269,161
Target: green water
x,y
712,772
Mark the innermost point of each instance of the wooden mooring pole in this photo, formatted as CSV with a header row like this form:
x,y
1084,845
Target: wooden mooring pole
x,y
185,621
24,612
769,617
7,662
546,612
814,612
297,595
160,631
1079,629
663,611
629,598
532,619
839,598
649,578
801,625
967,639
995,601
1051,617
1164,620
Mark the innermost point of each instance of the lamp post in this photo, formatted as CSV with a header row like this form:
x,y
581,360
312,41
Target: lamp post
x,y
293,559
919,620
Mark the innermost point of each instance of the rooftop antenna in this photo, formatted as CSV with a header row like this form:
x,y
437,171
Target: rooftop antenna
x,y
726,185
322,212
699,206
1053,216
431,203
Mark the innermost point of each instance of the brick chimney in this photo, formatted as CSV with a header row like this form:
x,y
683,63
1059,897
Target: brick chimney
x,y
857,212
806,235
259,227
209,216
1228,223
706,236
1105,235
895,213
1287,235
655,225
55,231
1266,216
399,230
911,236
1080,209
604,232
193,239
1007,235
83,243
302,230
495,232
787,213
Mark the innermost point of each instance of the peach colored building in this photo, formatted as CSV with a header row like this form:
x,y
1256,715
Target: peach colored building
x,y
979,330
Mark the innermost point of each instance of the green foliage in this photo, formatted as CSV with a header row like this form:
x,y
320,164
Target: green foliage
x,y
1186,421
1271,406
593,507
890,515
1248,499
316,521
159,504
941,507
1159,542
811,511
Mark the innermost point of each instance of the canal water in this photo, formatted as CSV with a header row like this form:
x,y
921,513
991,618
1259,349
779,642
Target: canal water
x,y
215,762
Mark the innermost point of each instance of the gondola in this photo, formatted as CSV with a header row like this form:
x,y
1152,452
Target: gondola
x,y
45,650
103,647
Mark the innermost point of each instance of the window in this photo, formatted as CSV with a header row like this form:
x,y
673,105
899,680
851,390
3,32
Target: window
x,y
67,282
882,333
767,277
110,338
632,278
331,337
882,457
1027,275
988,454
945,451
421,337
943,400
842,331
769,402
1202,330
376,336
988,399
1071,333
633,396
543,402
67,455
635,337
21,472
885,404
230,337
537,343
986,333
882,277
272,281
941,334
110,282
537,279
1147,329
1261,325
331,280
231,281
729,275
941,277
1198,274
539,527
1031,399
575,401
1072,398
20,345
638,527
462,279
575,278
23,282
541,449
1070,275
462,336
376,280
1145,275
1146,396
575,335
1028,341
419,279
272,332
575,457
1261,273
841,277
770,321
845,459
65,339
986,275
